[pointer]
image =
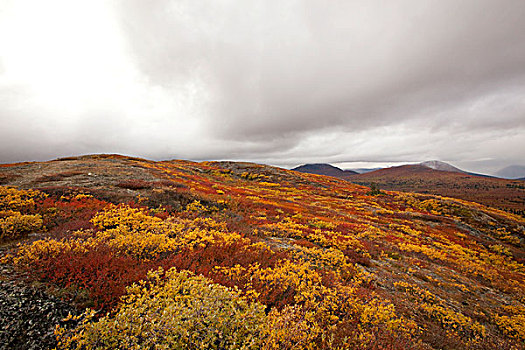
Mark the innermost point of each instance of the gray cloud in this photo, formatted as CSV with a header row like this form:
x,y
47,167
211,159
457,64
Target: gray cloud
x,y
287,82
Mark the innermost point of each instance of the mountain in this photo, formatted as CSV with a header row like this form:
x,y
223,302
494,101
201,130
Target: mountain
x,y
181,254
330,170
512,172
442,166
500,193
364,170
434,177
324,169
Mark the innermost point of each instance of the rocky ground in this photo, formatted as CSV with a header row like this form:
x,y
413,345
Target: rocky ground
x,y
28,315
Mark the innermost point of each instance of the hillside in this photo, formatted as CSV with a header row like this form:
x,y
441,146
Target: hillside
x,y
438,165
503,194
316,262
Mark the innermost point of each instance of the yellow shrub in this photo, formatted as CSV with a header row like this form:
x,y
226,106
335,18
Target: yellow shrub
x,y
174,310
331,258
13,224
18,200
14,204
141,245
513,326
195,207
133,232
44,248
289,329
125,216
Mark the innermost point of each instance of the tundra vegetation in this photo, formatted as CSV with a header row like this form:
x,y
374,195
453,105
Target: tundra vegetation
x,y
243,256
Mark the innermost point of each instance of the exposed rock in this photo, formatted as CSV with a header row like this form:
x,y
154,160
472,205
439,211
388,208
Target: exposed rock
x,y
28,317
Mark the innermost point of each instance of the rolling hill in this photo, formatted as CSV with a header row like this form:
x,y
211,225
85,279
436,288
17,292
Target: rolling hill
x,y
238,255
324,169
504,194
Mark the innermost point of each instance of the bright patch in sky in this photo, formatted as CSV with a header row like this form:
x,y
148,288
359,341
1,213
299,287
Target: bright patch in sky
x,y
66,52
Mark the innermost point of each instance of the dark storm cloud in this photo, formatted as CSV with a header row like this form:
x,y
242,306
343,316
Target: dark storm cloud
x,y
275,68
280,82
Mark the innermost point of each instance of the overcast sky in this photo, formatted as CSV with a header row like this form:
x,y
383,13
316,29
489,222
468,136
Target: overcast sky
x,y
278,82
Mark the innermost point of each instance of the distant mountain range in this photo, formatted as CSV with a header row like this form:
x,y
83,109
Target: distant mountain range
x,y
330,170
324,169
515,172
512,172
435,177
364,170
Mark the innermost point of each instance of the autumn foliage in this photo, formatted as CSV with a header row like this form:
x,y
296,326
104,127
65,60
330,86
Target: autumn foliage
x,y
17,217
260,258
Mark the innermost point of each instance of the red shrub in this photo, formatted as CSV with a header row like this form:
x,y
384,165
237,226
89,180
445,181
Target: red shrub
x,y
67,215
57,177
135,184
304,243
203,260
357,257
100,274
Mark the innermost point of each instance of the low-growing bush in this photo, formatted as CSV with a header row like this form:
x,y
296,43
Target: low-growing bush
x,y
69,213
17,216
99,277
174,310
14,225
134,184
57,177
